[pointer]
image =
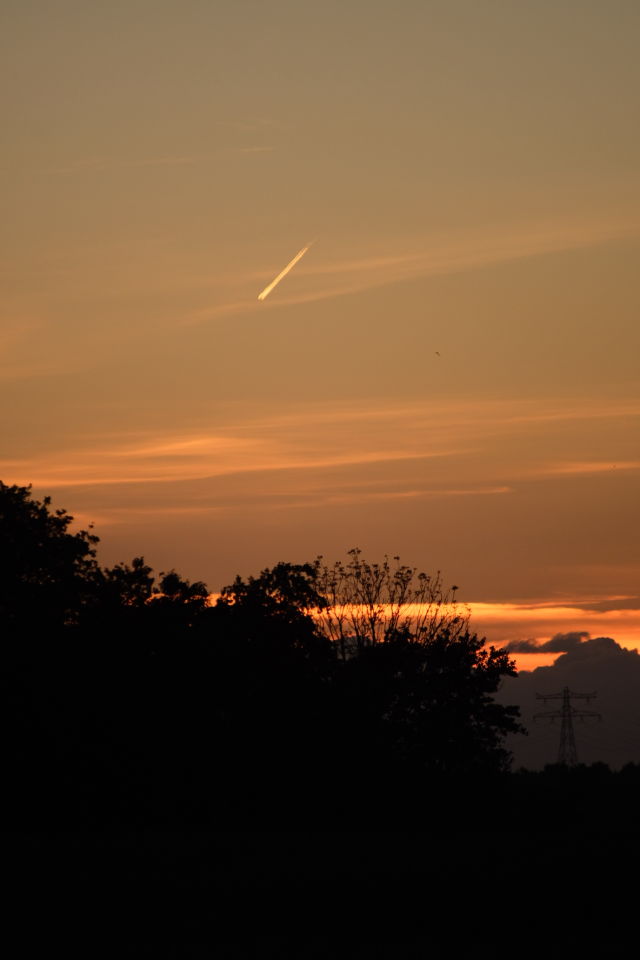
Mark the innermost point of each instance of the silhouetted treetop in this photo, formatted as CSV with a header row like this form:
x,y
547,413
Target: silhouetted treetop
x,y
135,586
288,590
367,603
129,586
409,679
47,574
275,609
50,577
176,589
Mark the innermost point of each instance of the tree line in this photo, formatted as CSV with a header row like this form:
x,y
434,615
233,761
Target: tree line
x,y
311,690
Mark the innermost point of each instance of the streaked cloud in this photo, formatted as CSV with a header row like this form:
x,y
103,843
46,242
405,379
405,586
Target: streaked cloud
x,y
453,477
99,164
435,493
591,466
507,624
322,436
99,467
499,622
256,149
434,256
289,497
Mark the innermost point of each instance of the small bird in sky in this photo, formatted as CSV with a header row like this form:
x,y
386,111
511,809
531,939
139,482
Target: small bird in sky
x,y
274,283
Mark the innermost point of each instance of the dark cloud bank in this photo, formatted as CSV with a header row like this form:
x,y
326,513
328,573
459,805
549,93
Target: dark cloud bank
x,y
560,643
585,665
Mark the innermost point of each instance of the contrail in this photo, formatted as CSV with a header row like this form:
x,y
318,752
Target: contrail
x,y
274,283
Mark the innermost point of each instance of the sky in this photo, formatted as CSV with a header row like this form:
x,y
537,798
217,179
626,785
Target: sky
x,y
449,374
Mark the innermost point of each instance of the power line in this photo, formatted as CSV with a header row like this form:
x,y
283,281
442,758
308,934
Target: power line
x,y
567,753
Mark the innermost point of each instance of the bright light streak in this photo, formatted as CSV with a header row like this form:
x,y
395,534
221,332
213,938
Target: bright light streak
x,y
274,283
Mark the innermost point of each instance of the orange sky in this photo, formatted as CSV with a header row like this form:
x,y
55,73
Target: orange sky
x,y
450,373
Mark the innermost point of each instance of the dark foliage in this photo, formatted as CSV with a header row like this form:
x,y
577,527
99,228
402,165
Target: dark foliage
x,y
47,575
230,775
138,701
429,703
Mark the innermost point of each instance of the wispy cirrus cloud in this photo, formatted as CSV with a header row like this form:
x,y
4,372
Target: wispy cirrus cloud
x,y
323,436
99,164
255,149
217,457
435,256
579,467
434,493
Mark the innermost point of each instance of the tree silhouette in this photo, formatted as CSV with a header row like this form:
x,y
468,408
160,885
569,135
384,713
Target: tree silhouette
x,y
129,586
428,701
268,622
47,574
142,699
176,590
409,682
288,591
362,604
416,684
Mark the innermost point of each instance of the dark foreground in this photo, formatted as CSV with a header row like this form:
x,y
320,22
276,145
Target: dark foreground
x,y
231,780
540,862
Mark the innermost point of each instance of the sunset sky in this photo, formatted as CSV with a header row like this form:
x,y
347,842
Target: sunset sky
x,y
452,371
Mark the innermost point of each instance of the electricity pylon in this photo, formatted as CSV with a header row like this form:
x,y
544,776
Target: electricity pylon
x,y
567,753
